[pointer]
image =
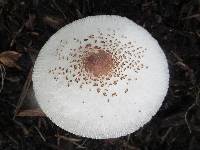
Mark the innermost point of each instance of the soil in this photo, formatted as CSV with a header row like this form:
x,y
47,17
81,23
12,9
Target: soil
x,y
26,25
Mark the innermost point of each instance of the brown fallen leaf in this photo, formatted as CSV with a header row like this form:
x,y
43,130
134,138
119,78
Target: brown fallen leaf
x,y
53,22
10,58
31,112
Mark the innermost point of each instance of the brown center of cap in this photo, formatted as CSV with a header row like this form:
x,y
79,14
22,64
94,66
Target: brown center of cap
x,y
99,63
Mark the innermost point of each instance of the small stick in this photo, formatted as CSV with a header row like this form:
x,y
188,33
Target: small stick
x,y
41,135
3,74
23,93
186,116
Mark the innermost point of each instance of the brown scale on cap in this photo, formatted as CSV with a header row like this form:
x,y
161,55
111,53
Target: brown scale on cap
x,y
100,61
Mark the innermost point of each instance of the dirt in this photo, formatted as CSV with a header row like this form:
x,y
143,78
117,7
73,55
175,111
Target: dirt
x,y
26,25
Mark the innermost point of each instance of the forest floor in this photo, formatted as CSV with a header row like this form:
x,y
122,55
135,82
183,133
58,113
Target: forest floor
x,y
26,25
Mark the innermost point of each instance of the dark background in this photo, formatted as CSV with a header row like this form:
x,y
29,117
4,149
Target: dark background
x,y
26,25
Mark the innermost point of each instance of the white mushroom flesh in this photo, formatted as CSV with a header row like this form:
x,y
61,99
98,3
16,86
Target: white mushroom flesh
x,y
101,77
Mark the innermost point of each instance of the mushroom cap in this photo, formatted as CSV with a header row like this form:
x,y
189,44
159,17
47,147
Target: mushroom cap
x,y
101,77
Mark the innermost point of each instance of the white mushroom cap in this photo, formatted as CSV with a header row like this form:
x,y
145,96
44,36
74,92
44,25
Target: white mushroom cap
x,y
101,77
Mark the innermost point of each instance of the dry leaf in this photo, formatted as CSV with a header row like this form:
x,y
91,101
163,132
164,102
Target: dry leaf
x,y
10,58
31,112
53,22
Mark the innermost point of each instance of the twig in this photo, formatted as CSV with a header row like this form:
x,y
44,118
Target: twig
x,y
67,138
185,67
12,139
191,17
128,138
3,74
41,135
83,143
198,34
186,119
177,57
197,97
15,36
78,145
196,103
59,9
23,93
166,134
72,140
25,130
79,15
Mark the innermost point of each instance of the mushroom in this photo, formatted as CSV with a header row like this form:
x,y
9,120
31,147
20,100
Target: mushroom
x,y
101,77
